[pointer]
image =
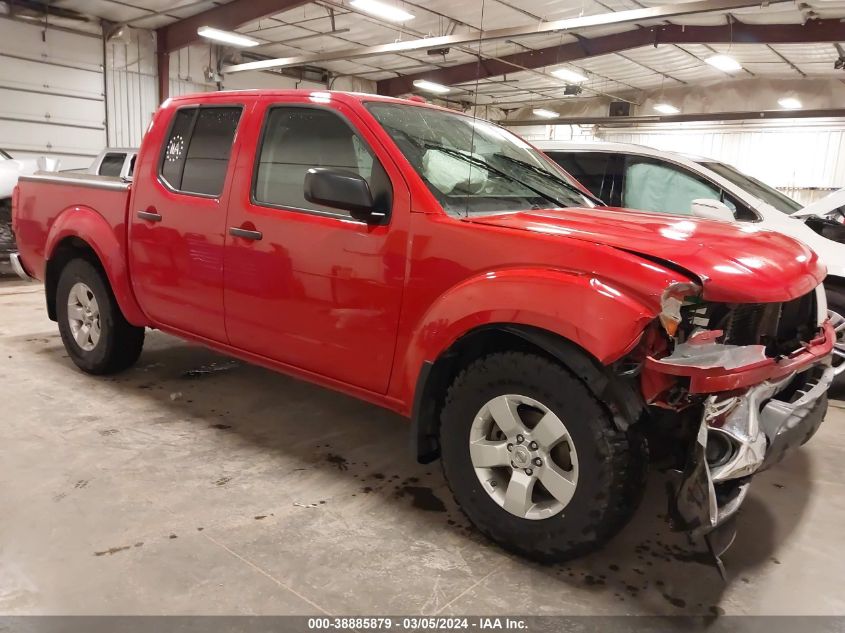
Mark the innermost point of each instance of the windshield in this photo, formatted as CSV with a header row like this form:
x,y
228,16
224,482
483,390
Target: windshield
x,y
4,155
756,188
473,166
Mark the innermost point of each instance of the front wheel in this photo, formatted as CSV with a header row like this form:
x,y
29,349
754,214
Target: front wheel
x,y
95,333
535,461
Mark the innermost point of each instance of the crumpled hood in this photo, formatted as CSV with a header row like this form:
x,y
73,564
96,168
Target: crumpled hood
x,y
11,170
737,263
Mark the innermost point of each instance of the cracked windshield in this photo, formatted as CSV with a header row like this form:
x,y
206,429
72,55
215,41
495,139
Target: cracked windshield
x,y
474,167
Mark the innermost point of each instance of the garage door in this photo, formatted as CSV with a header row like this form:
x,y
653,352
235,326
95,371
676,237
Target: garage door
x,y
51,93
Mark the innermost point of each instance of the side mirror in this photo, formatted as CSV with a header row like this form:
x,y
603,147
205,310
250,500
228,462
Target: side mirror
x,y
341,189
712,209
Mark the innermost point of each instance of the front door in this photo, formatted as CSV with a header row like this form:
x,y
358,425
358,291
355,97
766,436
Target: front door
x,y
308,285
178,222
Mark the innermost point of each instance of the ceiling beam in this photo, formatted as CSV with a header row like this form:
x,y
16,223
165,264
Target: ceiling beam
x,y
738,33
228,17
472,37
829,113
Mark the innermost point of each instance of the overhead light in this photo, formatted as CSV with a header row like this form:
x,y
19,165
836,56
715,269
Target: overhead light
x,y
725,63
227,37
569,75
545,114
382,10
666,108
430,86
790,103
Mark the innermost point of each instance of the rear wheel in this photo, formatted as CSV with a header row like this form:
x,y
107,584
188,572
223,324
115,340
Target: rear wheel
x,y
94,331
535,461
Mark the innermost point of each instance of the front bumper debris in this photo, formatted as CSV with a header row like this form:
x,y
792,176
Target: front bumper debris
x,y
712,367
740,435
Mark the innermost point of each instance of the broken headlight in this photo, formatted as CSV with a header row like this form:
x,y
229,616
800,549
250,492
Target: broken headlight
x,y
675,297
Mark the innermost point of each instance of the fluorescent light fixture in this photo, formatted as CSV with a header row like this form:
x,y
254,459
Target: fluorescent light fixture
x,y
545,114
227,37
725,63
382,10
666,108
569,75
430,86
790,103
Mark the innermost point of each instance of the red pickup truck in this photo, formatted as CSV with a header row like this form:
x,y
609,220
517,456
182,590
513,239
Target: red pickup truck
x,y
437,265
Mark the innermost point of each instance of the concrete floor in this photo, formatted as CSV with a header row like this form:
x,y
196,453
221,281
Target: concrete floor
x,y
246,492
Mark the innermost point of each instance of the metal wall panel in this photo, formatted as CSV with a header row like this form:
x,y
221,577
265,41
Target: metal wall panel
x,y
51,93
805,155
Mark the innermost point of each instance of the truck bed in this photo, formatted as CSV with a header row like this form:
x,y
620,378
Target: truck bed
x,y
45,202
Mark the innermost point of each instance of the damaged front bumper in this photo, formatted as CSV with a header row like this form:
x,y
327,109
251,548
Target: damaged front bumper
x,y
755,409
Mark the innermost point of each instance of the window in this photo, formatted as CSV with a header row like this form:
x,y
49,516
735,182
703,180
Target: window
x,y
196,155
472,166
131,171
295,140
663,188
756,188
111,165
588,168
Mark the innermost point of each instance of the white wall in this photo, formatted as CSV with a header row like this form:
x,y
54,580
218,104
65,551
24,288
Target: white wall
x,y
805,158
51,93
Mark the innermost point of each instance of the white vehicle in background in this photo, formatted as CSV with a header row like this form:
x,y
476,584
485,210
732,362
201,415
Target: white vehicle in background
x,y
116,162
10,171
642,178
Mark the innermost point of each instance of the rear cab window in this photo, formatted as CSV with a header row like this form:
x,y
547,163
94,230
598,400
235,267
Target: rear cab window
x,y
195,157
112,164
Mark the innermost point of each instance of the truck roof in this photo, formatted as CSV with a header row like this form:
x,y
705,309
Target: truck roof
x,y
223,95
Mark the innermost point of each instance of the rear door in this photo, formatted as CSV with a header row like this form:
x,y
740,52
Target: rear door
x,y
307,285
178,220
594,170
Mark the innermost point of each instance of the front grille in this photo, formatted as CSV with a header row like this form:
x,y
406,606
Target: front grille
x,y
781,327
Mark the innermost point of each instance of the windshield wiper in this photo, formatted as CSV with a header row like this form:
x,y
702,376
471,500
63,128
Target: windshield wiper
x,y
549,175
495,170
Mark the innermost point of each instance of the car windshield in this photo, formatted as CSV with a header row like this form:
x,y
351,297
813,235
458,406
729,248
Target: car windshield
x,y
4,155
473,166
756,188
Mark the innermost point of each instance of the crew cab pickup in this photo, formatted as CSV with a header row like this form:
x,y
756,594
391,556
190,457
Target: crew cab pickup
x,y
437,265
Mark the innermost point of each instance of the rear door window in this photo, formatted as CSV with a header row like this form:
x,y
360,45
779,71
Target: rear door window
x,y
196,156
588,168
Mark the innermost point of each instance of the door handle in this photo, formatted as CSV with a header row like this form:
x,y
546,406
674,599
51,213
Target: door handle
x,y
246,234
149,216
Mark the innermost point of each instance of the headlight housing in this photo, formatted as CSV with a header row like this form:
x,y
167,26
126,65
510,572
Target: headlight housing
x,y
672,300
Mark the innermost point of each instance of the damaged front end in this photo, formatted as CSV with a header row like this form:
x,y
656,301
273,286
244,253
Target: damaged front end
x,y
751,378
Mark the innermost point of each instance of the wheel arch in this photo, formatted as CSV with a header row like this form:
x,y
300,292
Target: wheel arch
x,y
436,376
83,232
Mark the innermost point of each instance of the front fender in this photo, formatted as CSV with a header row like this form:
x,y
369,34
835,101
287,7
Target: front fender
x,y
108,243
602,318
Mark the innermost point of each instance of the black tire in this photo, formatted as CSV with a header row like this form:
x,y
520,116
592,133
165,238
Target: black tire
x,y
119,344
836,303
612,464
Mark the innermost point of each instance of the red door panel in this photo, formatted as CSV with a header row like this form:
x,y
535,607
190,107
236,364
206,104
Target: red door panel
x,y
317,292
177,238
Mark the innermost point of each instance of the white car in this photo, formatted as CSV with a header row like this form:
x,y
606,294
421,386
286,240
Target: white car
x,y
647,179
10,171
